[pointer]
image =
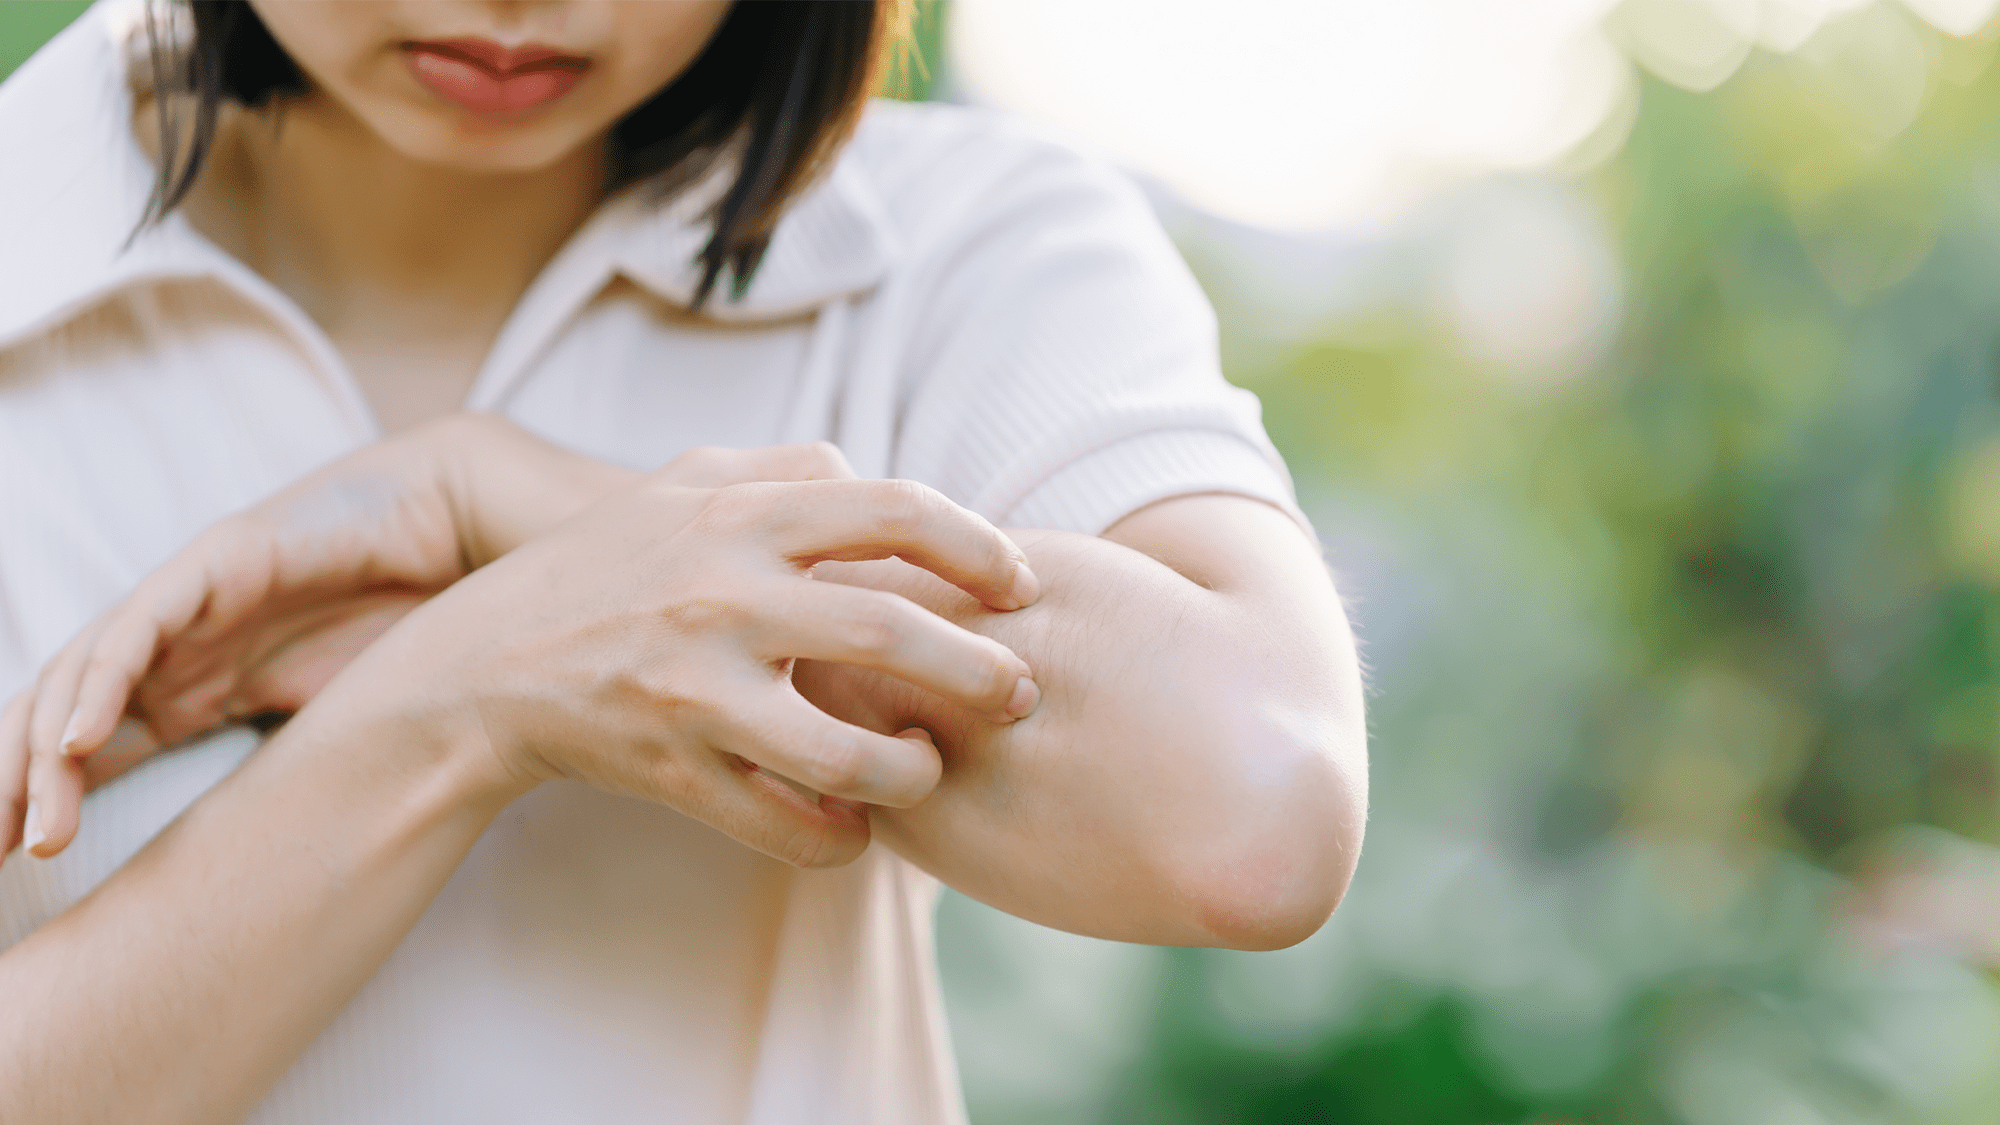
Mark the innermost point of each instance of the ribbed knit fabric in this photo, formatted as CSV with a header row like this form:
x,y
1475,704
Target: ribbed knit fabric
x,y
957,302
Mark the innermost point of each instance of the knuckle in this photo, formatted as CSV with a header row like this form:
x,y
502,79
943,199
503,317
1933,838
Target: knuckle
x,y
666,778
784,458
654,686
707,616
827,459
698,460
903,507
726,510
834,763
874,626
821,846
805,848
744,499
997,678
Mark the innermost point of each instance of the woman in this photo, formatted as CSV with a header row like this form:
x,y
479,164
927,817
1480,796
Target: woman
x,y
594,727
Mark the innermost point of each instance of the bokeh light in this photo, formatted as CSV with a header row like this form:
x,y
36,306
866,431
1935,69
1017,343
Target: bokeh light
x,y
1299,115
1637,363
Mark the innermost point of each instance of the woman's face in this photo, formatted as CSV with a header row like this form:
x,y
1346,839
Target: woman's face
x,y
491,85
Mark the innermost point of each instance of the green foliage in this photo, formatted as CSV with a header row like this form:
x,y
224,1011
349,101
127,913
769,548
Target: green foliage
x,y
913,71
26,24
1666,651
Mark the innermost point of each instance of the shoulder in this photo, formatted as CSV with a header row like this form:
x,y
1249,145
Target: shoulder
x,y
899,140
945,172
73,184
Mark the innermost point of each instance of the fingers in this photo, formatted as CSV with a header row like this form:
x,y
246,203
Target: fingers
x,y
891,634
711,466
55,794
118,660
815,460
14,770
205,591
786,735
47,824
760,810
123,643
55,780
816,521
130,744
52,722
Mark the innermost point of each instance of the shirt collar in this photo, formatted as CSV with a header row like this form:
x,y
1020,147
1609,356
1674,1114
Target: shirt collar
x,y
77,183
834,241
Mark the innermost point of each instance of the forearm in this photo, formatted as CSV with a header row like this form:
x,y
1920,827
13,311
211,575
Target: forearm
x,y
186,983
1194,775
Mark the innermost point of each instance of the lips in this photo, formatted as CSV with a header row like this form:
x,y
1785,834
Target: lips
x,y
484,78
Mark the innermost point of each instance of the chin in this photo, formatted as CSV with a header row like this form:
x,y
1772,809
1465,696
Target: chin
x,y
480,147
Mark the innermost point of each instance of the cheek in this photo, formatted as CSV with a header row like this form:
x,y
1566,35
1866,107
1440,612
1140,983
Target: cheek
x,y
349,51
656,43
331,42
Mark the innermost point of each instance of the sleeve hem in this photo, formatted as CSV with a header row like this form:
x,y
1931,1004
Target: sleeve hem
x,y
1104,486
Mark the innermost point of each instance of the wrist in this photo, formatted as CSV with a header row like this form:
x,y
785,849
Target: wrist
x,y
507,486
396,708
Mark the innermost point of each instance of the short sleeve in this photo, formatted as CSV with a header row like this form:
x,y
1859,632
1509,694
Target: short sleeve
x,y
1064,365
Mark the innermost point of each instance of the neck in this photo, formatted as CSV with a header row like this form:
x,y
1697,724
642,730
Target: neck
x,y
349,227
409,268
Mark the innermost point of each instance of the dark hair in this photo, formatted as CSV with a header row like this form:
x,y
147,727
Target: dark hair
x,y
780,85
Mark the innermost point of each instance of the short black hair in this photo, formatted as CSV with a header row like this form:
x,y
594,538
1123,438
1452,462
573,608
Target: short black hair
x,y
781,84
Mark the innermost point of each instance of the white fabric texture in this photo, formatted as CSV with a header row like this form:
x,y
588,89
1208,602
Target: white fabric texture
x,y
957,302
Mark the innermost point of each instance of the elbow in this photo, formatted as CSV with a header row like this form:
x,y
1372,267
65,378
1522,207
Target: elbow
x,y
1274,894
1281,849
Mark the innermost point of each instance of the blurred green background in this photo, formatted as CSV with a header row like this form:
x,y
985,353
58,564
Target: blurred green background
x,y
1683,647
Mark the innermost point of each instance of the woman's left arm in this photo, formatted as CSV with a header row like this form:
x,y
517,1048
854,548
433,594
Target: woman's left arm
x,y
1196,772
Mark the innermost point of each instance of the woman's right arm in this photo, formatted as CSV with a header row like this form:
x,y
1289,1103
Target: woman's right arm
x,y
643,648
182,987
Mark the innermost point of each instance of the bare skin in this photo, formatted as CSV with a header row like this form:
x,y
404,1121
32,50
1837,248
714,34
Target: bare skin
x,y
408,234
1191,795
393,260
1192,772
262,611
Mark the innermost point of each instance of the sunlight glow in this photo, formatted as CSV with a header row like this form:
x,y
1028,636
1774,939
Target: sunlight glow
x,y
1299,115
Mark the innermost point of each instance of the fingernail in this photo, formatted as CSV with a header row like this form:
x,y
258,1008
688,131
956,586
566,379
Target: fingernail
x,y
1026,586
71,731
1022,703
32,835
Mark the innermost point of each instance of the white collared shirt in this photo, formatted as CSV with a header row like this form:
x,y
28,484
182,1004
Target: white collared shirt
x,y
957,302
